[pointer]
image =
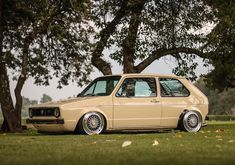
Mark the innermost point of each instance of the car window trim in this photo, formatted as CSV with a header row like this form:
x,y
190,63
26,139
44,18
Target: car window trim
x,y
120,77
156,87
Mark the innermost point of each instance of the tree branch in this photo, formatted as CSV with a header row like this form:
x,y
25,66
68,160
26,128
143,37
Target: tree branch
x,y
163,52
96,59
23,75
129,42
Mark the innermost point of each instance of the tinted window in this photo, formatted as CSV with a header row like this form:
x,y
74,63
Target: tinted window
x,y
137,87
102,86
172,88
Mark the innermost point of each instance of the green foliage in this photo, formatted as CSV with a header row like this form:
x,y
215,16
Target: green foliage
x,y
52,42
164,25
222,41
45,98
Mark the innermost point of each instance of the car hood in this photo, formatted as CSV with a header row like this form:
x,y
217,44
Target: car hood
x,y
79,101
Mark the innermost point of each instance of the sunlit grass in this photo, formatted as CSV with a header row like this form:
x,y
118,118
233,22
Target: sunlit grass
x,y
214,144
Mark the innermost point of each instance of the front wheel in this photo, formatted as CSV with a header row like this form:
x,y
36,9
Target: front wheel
x,y
191,122
92,123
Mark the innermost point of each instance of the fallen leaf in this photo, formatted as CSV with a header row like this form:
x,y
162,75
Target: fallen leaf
x,y
155,143
179,136
208,131
202,131
218,146
206,136
231,141
219,130
220,139
94,142
126,143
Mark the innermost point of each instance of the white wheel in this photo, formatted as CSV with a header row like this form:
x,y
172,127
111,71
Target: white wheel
x,y
92,123
191,121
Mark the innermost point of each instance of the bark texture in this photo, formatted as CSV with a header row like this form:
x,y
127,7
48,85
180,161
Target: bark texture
x,y
129,42
96,59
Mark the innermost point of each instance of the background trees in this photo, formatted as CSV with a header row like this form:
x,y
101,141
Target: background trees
x,y
45,98
221,103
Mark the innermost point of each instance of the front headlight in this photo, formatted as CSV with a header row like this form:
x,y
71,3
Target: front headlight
x,y
57,112
30,113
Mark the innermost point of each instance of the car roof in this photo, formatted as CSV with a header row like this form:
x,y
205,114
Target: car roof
x,y
145,75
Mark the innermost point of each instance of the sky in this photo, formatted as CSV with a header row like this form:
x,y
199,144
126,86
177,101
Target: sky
x,y
162,66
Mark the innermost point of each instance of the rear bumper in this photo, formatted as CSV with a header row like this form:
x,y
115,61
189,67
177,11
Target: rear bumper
x,y
45,121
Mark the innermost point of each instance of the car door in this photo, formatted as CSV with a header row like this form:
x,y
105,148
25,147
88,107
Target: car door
x,y
175,99
136,104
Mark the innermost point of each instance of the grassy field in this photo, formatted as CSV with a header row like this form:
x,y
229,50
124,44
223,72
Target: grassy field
x,y
214,144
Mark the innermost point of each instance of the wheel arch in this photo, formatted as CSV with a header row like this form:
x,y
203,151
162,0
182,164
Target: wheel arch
x,y
87,111
185,111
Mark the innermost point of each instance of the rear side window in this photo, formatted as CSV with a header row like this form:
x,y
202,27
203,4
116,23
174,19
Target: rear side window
x,y
171,87
137,87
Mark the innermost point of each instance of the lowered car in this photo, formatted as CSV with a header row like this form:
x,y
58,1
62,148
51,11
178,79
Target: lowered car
x,y
126,102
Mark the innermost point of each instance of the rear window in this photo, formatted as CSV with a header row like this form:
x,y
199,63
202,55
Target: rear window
x,y
171,87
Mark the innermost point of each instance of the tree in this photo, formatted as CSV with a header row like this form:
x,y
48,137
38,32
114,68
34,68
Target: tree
x,y
40,39
222,41
26,104
45,98
141,32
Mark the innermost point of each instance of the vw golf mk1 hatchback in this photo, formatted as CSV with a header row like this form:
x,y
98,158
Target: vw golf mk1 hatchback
x,y
126,102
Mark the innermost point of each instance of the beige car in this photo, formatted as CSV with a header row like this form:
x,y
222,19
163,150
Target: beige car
x,y
126,102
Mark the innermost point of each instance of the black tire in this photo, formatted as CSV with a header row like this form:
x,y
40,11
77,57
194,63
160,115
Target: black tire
x,y
190,121
91,123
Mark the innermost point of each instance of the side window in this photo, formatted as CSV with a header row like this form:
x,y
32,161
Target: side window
x,y
137,87
100,87
172,88
90,90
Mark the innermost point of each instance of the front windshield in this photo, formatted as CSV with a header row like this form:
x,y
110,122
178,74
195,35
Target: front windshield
x,y
102,86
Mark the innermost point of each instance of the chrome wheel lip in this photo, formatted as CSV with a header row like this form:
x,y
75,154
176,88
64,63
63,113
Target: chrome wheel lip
x,y
86,125
188,121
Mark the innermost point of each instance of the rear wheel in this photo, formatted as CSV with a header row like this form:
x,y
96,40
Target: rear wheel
x,y
92,123
191,122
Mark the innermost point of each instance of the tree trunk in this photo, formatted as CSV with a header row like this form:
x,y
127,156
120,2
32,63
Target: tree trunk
x,y
22,78
96,59
129,42
11,122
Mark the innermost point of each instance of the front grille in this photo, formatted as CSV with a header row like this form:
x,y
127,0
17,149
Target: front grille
x,y
43,112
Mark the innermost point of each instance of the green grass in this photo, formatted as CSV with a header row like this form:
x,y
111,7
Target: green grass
x,y
221,117
214,144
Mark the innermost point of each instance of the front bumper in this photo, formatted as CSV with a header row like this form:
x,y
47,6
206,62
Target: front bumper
x,y
45,121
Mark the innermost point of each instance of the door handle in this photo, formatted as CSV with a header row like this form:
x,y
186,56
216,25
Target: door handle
x,y
154,101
